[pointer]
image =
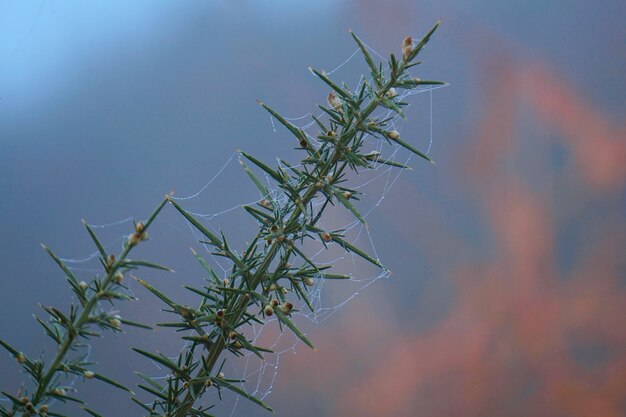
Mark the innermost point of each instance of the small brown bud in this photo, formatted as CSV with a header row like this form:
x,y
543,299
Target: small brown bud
x,y
118,278
110,260
220,313
89,374
226,282
286,307
280,238
20,358
265,203
58,391
416,80
407,47
274,228
208,383
334,102
139,228
308,281
303,143
232,335
43,408
319,184
29,406
272,287
220,375
347,195
133,239
326,237
331,133
274,302
83,285
268,310
24,399
237,345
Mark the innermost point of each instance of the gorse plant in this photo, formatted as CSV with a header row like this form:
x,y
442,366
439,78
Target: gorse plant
x,y
265,279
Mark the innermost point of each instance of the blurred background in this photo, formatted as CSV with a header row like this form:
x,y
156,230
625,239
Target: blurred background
x,y
508,293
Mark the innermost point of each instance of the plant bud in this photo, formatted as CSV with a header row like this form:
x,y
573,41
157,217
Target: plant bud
x,y
286,307
110,260
118,278
226,282
58,391
274,302
20,358
347,195
326,237
308,281
334,102
331,133
83,285
220,375
115,322
391,93
220,313
139,228
43,408
393,134
232,335
407,47
268,310
133,240
89,374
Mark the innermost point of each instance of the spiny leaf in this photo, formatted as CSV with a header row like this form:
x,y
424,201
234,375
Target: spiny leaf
x,y
96,241
265,168
222,383
147,264
214,239
298,133
261,187
284,319
157,293
350,206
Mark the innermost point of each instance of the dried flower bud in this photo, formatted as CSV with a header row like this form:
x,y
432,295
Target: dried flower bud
x,y
280,238
43,408
232,335
89,374
319,184
29,406
20,358
220,313
308,281
220,375
58,391
407,47
118,278
347,195
331,133
272,287
83,285
334,102
133,239
139,228
110,260
208,383
303,143
268,310
226,282
115,322
265,203
391,93
274,228
286,307
372,156
24,399
274,302
326,237
416,80
393,134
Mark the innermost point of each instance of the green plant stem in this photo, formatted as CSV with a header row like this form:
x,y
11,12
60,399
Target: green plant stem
x,y
70,335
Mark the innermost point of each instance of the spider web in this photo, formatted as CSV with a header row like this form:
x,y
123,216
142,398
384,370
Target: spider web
x,y
327,297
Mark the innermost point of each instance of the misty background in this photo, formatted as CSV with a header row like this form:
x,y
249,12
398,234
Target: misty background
x,y
509,278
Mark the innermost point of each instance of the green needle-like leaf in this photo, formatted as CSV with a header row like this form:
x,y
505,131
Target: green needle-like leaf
x,y
222,383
